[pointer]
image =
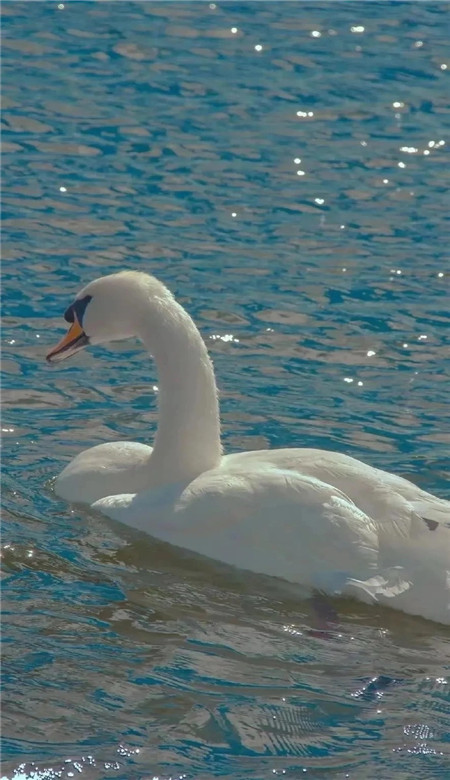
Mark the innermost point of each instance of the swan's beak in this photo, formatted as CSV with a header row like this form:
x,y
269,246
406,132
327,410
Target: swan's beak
x,y
74,340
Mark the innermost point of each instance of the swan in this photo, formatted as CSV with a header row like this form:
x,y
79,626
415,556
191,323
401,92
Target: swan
x,y
320,519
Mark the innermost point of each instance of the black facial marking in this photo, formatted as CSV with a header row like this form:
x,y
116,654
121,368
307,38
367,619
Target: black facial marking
x,y
77,308
68,314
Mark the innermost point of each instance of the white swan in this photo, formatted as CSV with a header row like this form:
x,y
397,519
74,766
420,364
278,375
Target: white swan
x,y
313,517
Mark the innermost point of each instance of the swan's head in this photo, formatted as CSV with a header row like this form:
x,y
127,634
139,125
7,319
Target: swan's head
x,y
108,309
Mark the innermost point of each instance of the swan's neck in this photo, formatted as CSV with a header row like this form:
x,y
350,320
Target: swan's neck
x,y
188,438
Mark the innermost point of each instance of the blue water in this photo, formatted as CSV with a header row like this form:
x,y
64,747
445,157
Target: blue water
x,y
281,166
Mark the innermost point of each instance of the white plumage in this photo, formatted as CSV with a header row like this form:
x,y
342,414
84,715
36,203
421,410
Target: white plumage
x,y
313,517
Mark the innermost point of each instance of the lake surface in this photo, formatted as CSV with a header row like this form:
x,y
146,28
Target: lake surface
x,y
283,167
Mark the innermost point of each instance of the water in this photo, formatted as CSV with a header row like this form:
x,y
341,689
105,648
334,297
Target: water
x,y
312,250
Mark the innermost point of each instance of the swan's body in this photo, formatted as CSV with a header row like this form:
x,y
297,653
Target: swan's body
x,y
317,518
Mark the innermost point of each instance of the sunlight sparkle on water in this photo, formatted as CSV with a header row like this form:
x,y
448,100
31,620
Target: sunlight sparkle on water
x,y
227,337
290,629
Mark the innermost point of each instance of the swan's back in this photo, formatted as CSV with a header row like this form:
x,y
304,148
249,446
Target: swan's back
x,y
371,489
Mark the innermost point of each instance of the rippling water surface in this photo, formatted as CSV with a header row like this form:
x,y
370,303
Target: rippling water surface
x,y
284,168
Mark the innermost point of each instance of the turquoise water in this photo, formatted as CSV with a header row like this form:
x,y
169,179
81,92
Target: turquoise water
x,y
281,166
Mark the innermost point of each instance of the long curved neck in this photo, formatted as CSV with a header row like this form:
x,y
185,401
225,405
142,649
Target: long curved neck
x,y
188,438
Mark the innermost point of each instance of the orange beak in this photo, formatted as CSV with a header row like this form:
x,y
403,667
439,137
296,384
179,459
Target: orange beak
x,y
74,340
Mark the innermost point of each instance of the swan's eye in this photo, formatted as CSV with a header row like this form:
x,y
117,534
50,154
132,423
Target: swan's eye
x,y
77,308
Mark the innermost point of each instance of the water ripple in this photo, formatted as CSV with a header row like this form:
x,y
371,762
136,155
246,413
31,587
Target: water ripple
x,y
281,167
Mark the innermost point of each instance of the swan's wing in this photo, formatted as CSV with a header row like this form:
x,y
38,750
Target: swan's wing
x,y
304,530
412,561
388,581
301,529
375,491
268,521
103,469
281,523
